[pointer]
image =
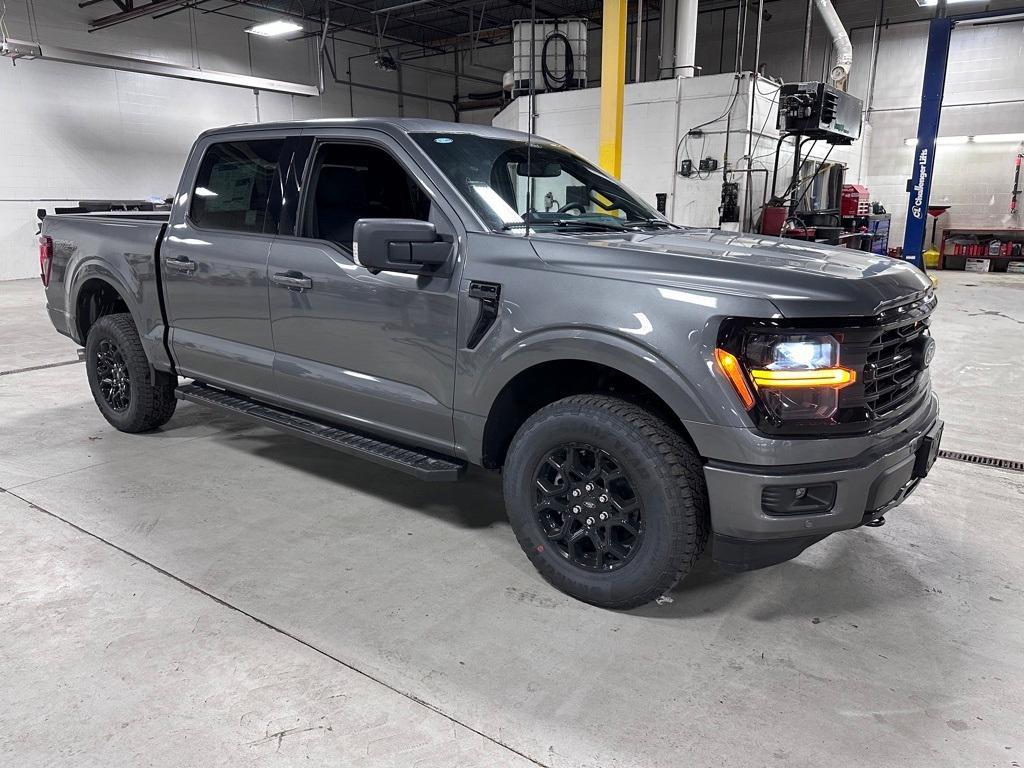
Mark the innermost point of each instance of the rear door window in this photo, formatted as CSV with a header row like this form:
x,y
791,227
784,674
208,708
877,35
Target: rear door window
x,y
234,184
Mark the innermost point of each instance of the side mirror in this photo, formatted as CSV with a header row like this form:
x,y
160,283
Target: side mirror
x,y
399,245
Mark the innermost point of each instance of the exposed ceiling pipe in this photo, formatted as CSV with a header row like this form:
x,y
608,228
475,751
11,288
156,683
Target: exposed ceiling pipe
x,y
842,47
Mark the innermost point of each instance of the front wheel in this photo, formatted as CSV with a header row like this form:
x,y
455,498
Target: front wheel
x,y
606,499
119,377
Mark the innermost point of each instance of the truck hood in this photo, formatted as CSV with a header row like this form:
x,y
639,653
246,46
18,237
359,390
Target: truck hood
x,y
800,279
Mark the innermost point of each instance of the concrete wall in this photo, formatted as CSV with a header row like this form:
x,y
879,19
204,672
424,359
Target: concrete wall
x,y
72,132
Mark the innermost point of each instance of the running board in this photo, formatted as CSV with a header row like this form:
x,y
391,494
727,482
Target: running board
x,y
421,464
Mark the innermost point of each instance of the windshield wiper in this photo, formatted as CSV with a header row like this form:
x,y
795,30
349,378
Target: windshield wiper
x,y
587,223
650,223
566,223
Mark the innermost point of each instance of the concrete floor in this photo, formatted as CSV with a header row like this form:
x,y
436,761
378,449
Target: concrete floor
x,y
219,594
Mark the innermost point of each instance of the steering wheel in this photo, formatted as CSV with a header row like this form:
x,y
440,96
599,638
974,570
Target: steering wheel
x,y
573,206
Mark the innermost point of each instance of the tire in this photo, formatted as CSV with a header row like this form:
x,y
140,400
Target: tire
x,y
119,377
643,476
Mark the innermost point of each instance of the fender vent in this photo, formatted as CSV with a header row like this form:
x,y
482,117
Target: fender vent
x,y
984,461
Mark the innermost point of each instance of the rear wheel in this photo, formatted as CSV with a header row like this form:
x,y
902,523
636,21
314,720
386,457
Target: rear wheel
x,y
119,377
606,499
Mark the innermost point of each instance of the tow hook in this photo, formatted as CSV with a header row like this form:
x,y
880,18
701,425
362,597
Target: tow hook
x,y
876,523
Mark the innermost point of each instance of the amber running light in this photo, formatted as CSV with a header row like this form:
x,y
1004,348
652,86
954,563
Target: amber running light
x,y
730,366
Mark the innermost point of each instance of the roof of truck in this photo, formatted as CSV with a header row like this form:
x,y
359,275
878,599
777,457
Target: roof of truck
x,y
390,125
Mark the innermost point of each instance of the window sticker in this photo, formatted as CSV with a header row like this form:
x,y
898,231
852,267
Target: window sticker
x,y
235,181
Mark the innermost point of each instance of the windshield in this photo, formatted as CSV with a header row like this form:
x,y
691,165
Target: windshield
x,y
514,186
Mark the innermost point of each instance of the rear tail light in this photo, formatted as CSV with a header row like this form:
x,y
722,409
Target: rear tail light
x,y
45,258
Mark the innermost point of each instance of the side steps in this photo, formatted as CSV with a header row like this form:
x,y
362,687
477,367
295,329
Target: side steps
x,y
421,464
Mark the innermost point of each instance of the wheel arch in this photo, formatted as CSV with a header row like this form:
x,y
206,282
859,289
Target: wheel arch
x,y
96,292
544,370
94,298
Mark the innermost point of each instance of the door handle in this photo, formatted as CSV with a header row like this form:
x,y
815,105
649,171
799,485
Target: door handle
x,y
181,263
295,281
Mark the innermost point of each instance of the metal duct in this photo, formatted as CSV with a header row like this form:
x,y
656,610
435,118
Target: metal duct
x,y
843,48
686,38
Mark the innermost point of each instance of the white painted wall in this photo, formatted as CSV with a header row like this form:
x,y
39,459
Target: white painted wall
x,y
72,132
984,95
653,126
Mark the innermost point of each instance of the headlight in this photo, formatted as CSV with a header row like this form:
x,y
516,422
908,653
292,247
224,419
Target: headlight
x,y
794,376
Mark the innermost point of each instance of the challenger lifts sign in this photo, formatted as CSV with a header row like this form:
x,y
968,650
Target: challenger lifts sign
x,y
917,209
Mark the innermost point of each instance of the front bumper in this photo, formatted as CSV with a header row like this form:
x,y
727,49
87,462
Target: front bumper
x,y
746,536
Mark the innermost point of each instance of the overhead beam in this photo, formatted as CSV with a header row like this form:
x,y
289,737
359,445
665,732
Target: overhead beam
x,y
369,12
139,11
163,69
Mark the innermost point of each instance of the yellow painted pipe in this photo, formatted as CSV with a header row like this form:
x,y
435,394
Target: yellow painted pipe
x,y
613,85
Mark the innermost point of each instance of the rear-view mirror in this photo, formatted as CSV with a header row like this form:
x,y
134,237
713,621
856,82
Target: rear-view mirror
x,y
539,169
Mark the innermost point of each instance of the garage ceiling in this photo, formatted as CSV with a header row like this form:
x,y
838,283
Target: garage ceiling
x,y
432,25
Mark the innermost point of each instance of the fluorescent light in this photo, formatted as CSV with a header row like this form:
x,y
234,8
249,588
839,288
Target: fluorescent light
x,y
943,140
933,3
274,28
999,138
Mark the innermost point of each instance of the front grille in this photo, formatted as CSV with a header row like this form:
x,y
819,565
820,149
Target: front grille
x,y
894,366
888,351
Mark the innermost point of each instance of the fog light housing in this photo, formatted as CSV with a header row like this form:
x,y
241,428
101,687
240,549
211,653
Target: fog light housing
x,y
798,499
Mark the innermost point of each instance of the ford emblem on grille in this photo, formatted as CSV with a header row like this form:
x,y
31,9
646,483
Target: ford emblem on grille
x,y
924,352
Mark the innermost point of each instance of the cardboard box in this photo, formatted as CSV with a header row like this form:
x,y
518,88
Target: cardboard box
x,y
978,265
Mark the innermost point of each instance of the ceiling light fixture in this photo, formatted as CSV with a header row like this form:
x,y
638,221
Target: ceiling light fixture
x,y
933,3
999,138
386,62
984,138
274,28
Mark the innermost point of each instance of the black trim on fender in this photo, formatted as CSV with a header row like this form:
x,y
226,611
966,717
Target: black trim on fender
x,y
734,554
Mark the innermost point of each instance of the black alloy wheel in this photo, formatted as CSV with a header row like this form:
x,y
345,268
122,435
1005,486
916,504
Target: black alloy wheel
x,y
112,373
587,506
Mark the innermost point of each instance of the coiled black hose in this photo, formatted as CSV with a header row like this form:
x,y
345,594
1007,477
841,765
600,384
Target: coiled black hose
x,y
552,82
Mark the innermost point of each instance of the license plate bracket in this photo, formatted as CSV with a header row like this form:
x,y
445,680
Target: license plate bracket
x,y
928,451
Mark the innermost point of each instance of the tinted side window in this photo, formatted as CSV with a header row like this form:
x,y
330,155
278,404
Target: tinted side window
x,y
358,181
234,185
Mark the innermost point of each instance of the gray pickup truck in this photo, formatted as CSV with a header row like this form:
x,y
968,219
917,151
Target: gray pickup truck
x,y
429,295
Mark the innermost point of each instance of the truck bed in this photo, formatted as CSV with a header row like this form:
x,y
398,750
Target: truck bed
x,y
120,248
